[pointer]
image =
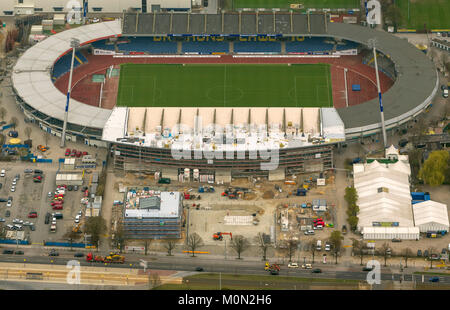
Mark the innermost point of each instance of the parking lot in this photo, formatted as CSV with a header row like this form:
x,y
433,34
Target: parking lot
x,y
30,196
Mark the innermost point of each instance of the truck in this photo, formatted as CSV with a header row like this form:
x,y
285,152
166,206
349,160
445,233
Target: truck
x,y
319,245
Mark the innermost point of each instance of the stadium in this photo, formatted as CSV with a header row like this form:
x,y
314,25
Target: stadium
x,y
222,89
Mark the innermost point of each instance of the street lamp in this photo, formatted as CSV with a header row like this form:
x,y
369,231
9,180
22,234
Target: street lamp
x,y
74,43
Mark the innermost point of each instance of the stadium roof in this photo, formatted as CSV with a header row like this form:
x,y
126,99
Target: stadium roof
x,y
32,75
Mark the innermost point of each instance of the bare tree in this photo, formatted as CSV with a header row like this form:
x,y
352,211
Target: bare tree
x,y
336,239
239,244
431,251
28,132
312,248
385,251
358,249
407,253
14,122
154,280
147,243
194,242
71,235
291,248
3,113
263,246
169,245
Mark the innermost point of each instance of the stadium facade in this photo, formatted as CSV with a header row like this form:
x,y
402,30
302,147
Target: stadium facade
x,y
135,140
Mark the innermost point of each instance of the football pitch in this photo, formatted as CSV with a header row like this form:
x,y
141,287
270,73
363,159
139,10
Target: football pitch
x,y
434,13
284,4
231,85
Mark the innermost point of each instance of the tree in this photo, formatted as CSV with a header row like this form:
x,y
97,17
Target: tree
x,y
194,242
353,222
312,248
147,243
154,280
385,251
358,249
431,251
239,244
3,113
95,226
170,244
119,238
291,248
28,132
71,236
2,231
263,246
394,14
434,169
407,253
14,122
336,242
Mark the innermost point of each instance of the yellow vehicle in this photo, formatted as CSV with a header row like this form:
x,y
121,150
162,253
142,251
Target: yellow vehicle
x,y
42,148
267,267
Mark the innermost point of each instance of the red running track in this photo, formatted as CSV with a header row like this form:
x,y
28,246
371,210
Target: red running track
x,y
86,91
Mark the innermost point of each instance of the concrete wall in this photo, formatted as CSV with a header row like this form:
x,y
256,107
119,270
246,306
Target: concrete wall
x,y
277,175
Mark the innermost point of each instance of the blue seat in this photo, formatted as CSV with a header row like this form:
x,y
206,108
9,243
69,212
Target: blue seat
x,y
148,45
257,47
308,45
62,65
101,44
206,47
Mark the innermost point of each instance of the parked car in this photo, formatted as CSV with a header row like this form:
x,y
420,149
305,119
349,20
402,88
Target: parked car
x,y
7,213
425,253
9,203
75,187
78,255
274,272
50,194
47,218
67,152
307,266
309,232
70,188
317,270
434,279
419,253
292,265
53,253
18,252
32,214
3,200
396,240
8,252
2,173
2,220
13,189
28,171
367,269
37,171
199,269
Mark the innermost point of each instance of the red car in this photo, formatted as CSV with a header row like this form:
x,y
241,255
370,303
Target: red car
x,y
57,203
61,186
67,152
32,214
59,195
59,207
74,152
78,154
85,153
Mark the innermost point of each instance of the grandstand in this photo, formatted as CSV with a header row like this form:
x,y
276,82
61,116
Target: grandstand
x,y
205,45
309,45
148,45
257,47
62,65
103,45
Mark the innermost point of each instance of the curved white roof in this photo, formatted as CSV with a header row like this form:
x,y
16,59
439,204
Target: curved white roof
x,y
32,75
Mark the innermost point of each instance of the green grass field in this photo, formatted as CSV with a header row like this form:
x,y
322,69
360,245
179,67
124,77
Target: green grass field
x,y
235,85
284,4
434,13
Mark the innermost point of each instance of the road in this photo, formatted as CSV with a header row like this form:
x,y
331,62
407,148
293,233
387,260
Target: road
x,y
231,267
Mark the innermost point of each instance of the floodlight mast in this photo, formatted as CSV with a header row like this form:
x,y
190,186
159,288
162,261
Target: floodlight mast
x,y
372,44
74,43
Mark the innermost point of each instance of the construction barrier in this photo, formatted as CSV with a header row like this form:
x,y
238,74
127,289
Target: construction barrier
x,y
9,241
67,244
196,252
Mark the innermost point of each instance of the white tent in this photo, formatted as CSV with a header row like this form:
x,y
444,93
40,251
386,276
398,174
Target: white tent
x,y
431,216
382,233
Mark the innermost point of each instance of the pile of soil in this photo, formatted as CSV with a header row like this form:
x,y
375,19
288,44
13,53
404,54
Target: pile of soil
x,y
268,195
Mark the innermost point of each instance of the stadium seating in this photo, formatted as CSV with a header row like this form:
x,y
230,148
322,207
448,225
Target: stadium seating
x,y
101,44
309,45
346,45
148,45
205,47
62,66
257,47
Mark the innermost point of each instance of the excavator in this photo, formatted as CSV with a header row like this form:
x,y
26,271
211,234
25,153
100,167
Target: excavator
x,y
111,258
219,235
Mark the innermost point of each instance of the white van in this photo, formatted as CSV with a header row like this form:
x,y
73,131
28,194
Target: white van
x,y
2,173
445,93
319,245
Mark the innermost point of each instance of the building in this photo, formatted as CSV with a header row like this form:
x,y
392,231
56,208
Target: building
x,y
431,216
155,215
384,197
442,44
29,7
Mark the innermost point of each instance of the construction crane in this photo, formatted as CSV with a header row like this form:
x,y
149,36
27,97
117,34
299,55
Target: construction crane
x,y
219,235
